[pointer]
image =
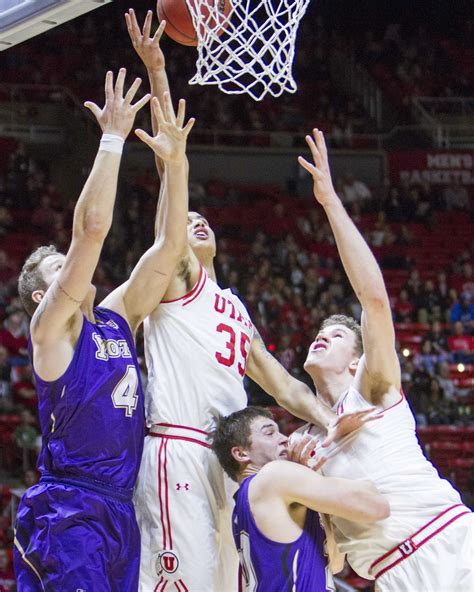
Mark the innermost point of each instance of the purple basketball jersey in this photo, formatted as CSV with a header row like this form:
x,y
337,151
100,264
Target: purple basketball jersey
x,y
92,417
268,566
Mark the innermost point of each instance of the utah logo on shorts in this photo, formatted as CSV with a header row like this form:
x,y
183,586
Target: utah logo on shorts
x,y
167,562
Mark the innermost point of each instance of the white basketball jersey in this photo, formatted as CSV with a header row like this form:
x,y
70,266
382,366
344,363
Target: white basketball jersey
x,y
386,452
196,349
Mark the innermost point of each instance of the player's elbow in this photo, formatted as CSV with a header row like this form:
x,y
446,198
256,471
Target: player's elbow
x,y
170,247
377,508
381,509
373,504
96,226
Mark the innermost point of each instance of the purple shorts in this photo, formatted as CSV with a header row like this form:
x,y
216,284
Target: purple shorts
x,y
76,537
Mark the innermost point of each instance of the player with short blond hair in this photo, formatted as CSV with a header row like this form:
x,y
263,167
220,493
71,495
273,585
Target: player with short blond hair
x,y
427,542
76,529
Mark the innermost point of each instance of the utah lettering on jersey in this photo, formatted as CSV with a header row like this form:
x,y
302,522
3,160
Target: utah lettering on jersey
x,y
225,306
110,348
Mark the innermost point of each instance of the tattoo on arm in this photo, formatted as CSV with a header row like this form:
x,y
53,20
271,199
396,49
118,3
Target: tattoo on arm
x,y
51,296
68,295
264,350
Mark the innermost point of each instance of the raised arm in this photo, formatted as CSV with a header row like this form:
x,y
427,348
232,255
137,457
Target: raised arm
x,y
149,50
142,293
379,368
92,215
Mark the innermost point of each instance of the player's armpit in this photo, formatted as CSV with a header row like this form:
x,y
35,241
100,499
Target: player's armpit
x,y
146,287
378,374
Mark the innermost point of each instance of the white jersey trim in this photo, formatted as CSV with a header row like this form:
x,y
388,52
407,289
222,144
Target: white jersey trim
x,y
194,292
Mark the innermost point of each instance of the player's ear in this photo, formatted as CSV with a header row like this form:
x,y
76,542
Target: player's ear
x,y
37,296
240,454
354,365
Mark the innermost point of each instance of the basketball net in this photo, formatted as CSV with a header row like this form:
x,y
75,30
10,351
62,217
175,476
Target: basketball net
x,y
249,51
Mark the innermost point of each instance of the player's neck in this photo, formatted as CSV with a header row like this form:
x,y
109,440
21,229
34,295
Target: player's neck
x,y
247,472
208,265
330,386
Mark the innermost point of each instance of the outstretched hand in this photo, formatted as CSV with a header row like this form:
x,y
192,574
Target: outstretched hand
x,y
303,451
146,46
118,114
319,168
170,141
349,422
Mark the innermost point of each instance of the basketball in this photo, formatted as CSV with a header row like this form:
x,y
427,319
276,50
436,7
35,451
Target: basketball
x,y
179,22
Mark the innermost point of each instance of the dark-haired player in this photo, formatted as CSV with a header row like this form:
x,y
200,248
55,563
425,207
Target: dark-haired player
x,y
276,525
199,344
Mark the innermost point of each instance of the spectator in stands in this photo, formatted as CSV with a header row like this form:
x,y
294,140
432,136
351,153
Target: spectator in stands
x,y
427,301
427,358
438,337
7,269
461,345
5,377
463,282
24,390
439,409
355,190
463,311
7,577
27,438
13,334
6,221
404,308
445,381
456,197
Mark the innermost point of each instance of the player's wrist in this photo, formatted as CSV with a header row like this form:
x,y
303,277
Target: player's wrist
x,y
111,143
155,70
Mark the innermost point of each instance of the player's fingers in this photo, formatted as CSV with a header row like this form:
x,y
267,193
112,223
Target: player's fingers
x,y
168,110
374,417
96,111
147,25
159,32
319,463
296,448
189,126
309,450
322,144
132,91
181,113
144,137
141,103
313,144
327,441
118,90
109,86
157,110
132,25
307,165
